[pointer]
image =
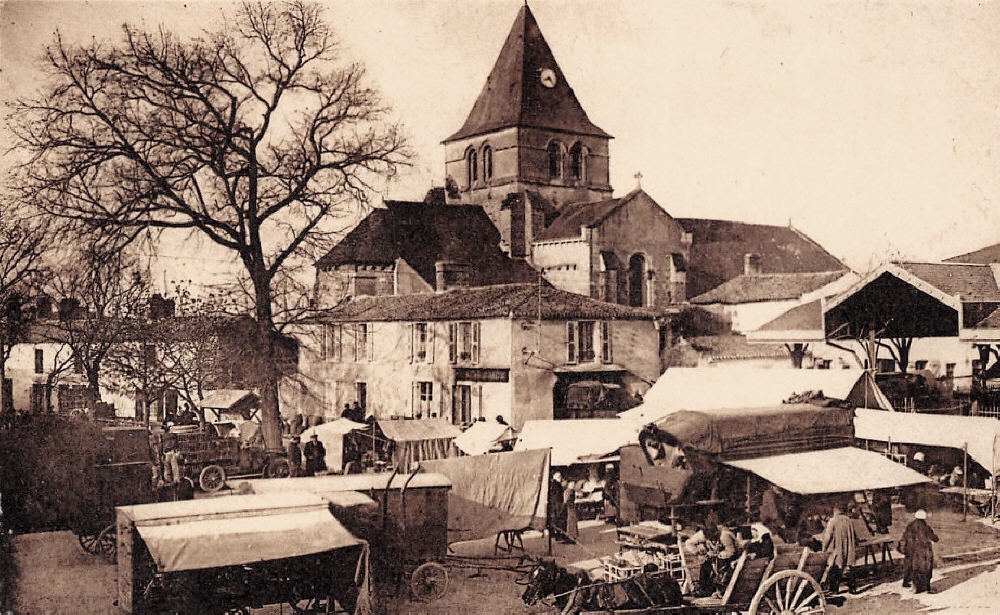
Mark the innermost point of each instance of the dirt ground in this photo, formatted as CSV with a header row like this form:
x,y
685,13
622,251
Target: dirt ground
x,y
57,576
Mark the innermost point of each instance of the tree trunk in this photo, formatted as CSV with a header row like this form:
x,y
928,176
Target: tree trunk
x,y
267,368
5,405
93,386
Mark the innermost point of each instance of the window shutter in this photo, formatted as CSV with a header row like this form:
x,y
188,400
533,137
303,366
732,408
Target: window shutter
x,y
430,342
371,342
413,341
571,342
475,342
477,401
452,342
324,334
357,341
338,342
606,356
414,399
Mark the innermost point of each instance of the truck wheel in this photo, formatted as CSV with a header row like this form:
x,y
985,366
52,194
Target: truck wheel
x,y
212,478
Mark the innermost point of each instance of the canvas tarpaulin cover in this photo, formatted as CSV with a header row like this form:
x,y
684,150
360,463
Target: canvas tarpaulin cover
x,y
838,470
481,436
734,433
495,492
231,542
578,440
420,440
331,434
735,386
977,433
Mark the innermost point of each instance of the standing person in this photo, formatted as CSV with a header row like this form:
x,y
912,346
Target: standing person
x,y
315,455
569,499
916,545
882,510
770,509
839,539
556,508
294,457
762,545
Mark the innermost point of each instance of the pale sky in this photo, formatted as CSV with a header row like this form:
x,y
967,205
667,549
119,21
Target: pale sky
x,y
872,127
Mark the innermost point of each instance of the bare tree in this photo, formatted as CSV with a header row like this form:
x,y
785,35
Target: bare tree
x,y
21,250
102,297
256,135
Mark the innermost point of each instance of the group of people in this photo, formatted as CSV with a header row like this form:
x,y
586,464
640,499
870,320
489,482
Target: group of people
x,y
314,454
722,546
563,520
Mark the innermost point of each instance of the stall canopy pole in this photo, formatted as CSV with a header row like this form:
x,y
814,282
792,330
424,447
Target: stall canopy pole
x,y
965,480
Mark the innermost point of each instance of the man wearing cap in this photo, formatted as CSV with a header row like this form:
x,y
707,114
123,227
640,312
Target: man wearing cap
x,y
315,455
917,547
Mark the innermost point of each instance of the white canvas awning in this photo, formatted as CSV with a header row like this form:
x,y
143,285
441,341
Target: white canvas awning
x,y
837,470
231,542
577,441
978,434
707,388
480,437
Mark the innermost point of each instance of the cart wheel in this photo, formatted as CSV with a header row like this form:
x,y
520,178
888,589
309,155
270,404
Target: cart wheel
x,y
278,468
89,543
107,543
212,478
789,592
429,581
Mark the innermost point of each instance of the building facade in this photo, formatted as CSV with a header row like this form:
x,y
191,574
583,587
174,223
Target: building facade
x,y
518,351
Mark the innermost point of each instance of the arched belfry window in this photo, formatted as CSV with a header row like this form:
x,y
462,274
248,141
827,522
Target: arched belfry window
x,y
637,280
487,163
578,161
555,150
473,167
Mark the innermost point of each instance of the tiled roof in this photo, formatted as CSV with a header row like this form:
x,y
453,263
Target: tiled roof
x,y
514,95
502,301
718,248
989,254
736,348
575,216
767,287
422,234
971,282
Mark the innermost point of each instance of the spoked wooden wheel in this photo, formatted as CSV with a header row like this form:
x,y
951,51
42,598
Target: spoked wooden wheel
x,y
107,543
89,543
212,478
429,581
790,592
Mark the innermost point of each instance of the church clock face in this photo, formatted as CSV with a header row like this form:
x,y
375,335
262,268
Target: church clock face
x,y
548,77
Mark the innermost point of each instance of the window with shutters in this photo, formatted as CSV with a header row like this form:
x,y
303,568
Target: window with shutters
x,y
332,348
421,343
423,400
580,342
39,361
364,347
463,342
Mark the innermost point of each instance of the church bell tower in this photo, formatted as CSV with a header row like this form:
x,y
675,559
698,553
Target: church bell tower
x,y
527,133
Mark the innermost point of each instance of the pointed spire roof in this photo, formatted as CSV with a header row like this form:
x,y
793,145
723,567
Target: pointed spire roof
x,y
514,94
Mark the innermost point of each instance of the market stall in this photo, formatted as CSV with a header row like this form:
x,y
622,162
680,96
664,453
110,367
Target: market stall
x,y
398,444
332,434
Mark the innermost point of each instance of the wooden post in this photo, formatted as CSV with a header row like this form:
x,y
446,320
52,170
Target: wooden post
x,y
747,504
965,480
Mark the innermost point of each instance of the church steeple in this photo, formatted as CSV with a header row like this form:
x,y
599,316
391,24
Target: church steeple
x,y
526,88
527,132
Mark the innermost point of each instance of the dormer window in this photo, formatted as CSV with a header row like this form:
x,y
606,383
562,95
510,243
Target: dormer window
x,y
472,165
578,162
487,163
555,151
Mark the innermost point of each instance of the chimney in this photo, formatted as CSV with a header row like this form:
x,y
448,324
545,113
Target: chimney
x,y
451,274
751,264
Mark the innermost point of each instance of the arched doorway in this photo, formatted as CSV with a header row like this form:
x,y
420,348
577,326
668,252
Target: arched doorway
x,y
637,280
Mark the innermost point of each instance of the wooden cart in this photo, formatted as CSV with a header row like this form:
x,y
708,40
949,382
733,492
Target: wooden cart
x,y
208,459
231,554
